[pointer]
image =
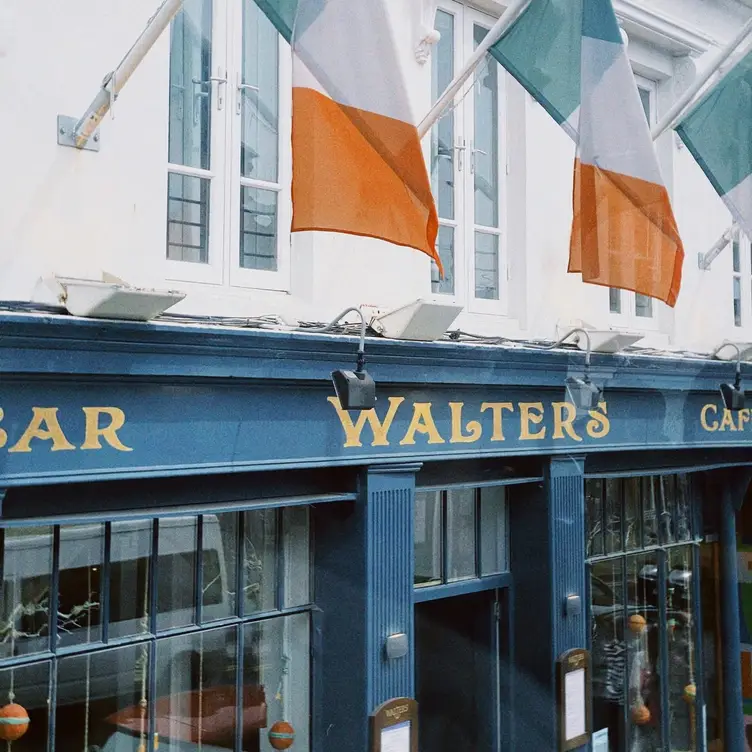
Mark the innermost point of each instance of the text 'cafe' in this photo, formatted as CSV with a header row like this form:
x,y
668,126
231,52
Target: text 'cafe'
x,y
202,550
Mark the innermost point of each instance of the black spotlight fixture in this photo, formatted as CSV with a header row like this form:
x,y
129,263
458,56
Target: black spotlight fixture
x,y
355,390
582,392
733,394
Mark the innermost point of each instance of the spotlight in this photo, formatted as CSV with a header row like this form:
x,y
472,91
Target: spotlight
x,y
733,394
583,393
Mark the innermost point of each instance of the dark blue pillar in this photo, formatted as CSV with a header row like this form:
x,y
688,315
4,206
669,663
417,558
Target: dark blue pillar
x,y
364,587
548,566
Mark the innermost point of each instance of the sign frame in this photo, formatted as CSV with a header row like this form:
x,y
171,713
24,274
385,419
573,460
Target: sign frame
x,y
569,662
392,713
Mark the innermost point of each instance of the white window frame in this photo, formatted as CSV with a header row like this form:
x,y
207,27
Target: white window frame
x,y
465,19
745,283
628,317
223,268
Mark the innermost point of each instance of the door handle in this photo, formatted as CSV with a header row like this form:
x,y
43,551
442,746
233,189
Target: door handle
x,y
240,88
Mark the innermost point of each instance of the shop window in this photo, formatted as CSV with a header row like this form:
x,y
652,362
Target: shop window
x,y
460,534
643,610
190,630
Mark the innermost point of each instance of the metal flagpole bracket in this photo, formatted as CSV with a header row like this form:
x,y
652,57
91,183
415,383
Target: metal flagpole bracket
x,y
66,134
704,260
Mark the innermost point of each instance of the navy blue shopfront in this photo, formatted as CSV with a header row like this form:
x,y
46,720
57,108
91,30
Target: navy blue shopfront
x,y
231,560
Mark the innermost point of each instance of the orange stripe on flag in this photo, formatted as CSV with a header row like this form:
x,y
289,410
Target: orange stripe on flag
x,y
359,173
624,234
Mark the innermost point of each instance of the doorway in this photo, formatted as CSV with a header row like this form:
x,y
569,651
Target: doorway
x,y
457,657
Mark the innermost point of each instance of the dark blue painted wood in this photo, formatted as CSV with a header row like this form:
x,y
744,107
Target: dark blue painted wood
x,y
363,583
463,587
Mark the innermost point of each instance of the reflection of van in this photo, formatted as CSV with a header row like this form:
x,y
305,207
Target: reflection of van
x,y
27,580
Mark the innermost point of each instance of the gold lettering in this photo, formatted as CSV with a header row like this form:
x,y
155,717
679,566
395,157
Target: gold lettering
x,y
95,432
599,425
3,434
422,422
564,423
44,425
473,427
743,417
727,420
496,408
380,429
528,416
704,418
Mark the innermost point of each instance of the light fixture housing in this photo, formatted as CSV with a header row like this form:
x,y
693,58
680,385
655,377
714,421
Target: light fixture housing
x,y
732,394
583,393
355,390
604,340
422,320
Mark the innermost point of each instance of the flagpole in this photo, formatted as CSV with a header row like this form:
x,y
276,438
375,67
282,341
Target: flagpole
x,y
510,15
682,105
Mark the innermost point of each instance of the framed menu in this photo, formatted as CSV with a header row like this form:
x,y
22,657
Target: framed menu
x,y
573,697
394,726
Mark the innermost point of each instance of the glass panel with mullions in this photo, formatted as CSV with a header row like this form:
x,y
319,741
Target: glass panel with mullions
x,y
643,306
297,556
445,246
643,638
176,572
682,638
130,561
258,229
668,507
594,517
259,139
613,516
260,560
428,526
486,266
219,586
102,700
645,101
683,509
493,531
460,533
649,511
79,608
442,134
190,87
29,686
188,218
25,598
614,300
632,514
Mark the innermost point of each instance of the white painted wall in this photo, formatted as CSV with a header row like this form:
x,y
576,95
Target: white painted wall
x,y
77,213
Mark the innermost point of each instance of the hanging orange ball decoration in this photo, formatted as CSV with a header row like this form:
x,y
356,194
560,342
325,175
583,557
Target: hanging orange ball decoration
x,y
14,722
281,735
690,693
640,715
637,623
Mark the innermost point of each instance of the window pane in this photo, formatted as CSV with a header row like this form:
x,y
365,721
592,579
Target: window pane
x,y
130,552
736,256
484,157
258,229
260,104
632,514
102,700
680,619
486,266
79,607
608,648
276,674
667,506
710,586
445,246
649,511
643,306
297,553
176,573
643,653
195,702
614,300
683,509
737,301
461,534
219,557
260,560
428,527
28,686
442,134
27,574
187,219
614,508
493,531
594,516
190,88
645,99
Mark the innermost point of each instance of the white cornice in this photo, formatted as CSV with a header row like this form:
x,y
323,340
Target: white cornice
x,y
667,32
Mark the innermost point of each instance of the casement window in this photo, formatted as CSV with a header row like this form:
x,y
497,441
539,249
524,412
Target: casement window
x,y
741,265
229,162
467,167
625,306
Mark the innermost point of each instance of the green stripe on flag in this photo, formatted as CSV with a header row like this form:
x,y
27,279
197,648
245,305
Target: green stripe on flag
x,y
718,130
281,13
542,51
599,21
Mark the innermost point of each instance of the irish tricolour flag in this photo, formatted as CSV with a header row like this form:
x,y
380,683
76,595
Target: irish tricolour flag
x,y
570,56
718,132
358,167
